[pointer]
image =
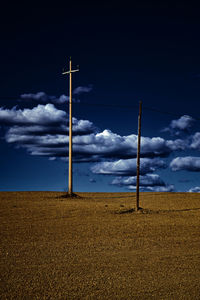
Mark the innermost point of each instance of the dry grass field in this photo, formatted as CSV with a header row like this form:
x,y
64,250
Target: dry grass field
x,y
94,247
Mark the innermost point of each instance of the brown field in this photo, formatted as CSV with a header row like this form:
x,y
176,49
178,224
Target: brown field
x,y
95,248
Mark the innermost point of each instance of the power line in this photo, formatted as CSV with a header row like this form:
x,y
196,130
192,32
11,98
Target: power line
x,y
135,106
106,105
168,113
79,103
112,105
9,98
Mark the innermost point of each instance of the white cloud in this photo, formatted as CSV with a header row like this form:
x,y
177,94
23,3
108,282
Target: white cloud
x,y
167,188
148,182
109,144
194,190
40,115
195,141
40,96
27,125
44,98
188,163
177,144
41,141
145,180
82,127
127,167
182,124
61,99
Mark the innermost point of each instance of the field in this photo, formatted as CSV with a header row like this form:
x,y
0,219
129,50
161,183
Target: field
x,y
97,247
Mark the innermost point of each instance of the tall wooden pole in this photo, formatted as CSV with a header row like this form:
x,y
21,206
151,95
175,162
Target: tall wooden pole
x,y
138,157
70,175
70,191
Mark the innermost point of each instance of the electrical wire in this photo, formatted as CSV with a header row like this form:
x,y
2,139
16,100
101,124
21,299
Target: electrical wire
x,y
112,105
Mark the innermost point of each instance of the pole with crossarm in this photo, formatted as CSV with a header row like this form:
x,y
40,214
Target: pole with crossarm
x,y
70,189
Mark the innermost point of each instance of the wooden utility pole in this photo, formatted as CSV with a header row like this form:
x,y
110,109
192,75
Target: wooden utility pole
x,y
70,189
138,157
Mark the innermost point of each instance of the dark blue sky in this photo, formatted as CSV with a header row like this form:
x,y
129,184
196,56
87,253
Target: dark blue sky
x,y
143,51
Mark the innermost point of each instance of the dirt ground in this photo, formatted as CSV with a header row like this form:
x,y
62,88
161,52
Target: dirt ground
x,y
96,247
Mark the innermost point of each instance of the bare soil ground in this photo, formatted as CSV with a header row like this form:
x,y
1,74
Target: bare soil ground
x,y
94,247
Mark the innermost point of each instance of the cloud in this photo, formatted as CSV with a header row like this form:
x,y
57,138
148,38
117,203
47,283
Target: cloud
x,y
127,167
40,115
145,180
178,144
194,190
82,89
187,163
43,130
80,127
195,144
183,124
168,188
107,144
62,99
36,130
148,182
42,97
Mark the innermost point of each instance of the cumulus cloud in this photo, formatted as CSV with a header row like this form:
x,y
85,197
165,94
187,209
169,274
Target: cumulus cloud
x,y
194,190
187,163
40,115
127,167
43,130
183,124
80,127
177,144
111,145
82,89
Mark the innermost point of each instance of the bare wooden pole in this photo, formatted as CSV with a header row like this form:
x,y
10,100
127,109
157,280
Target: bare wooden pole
x,y
70,191
70,175
138,157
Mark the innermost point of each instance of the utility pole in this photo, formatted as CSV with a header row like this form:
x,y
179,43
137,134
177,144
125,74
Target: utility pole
x,y
70,189
138,157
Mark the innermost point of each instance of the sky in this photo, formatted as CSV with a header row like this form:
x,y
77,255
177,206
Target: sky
x,y
143,51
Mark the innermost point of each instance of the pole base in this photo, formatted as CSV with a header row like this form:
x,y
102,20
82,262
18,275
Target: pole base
x,y
138,208
70,195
